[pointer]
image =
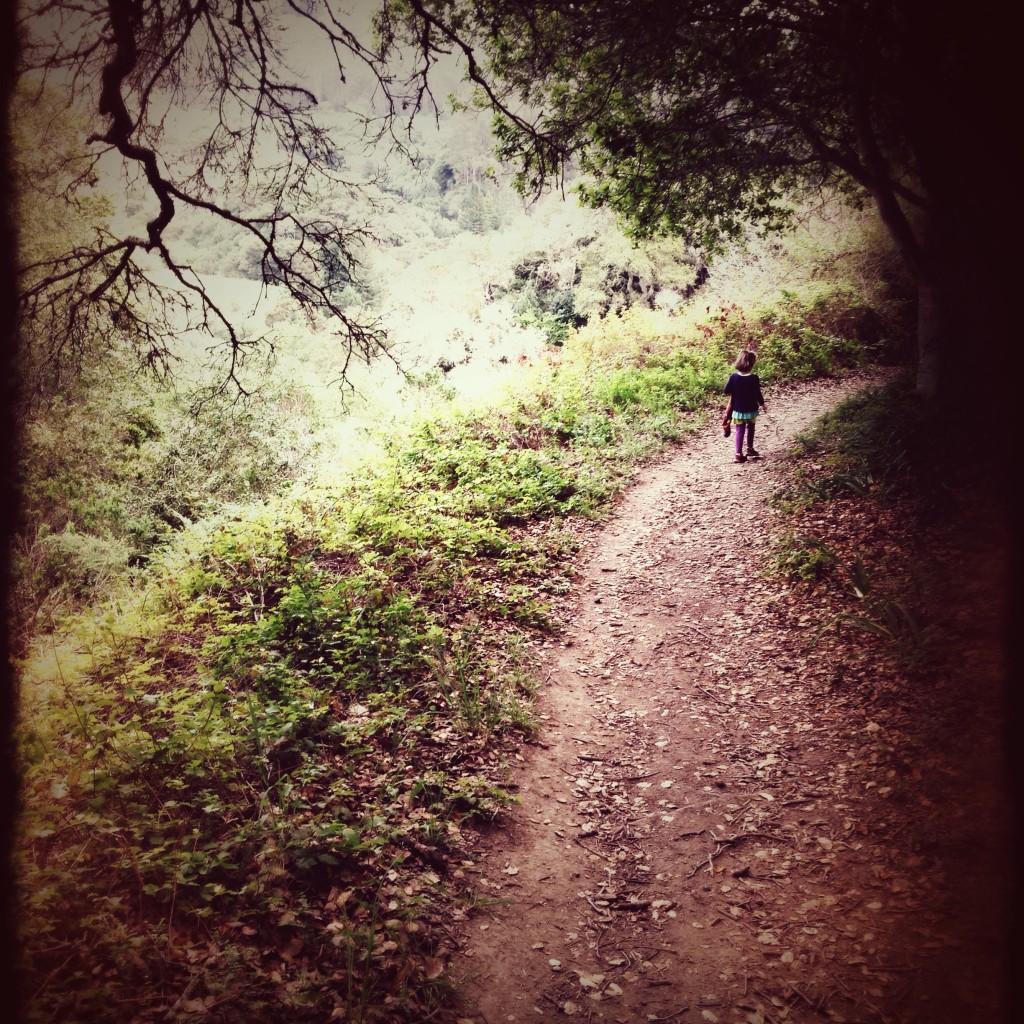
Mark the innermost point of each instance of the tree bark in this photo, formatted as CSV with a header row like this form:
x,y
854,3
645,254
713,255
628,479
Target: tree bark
x,y
930,333
919,260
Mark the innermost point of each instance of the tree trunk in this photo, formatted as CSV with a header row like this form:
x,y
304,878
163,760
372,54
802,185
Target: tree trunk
x,y
930,329
915,242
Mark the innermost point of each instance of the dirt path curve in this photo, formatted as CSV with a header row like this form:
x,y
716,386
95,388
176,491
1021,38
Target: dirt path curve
x,y
687,847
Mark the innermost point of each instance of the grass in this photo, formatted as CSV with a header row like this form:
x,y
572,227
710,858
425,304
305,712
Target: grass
x,y
245,793
871,477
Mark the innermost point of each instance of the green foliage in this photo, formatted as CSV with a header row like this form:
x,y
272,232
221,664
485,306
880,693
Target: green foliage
x,y
802,560
478,213
796,341
109,478
554,326
226,779
880,442
485,479
703,133
681,382
875,449
891,620
280,729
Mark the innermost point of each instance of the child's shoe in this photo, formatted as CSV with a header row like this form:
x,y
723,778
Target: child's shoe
x,y
740,458
751,454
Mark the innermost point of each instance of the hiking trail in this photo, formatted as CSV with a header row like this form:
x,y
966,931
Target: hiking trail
x,y
706,831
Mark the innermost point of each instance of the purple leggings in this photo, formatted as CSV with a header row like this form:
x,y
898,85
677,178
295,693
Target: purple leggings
x,y
743,428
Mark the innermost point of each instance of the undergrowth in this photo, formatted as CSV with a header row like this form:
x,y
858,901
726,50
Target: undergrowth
x,y
246,779
870,470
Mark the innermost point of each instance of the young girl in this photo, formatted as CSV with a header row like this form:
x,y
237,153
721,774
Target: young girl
x,y
744,391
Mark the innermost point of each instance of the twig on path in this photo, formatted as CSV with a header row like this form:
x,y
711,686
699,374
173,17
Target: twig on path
x,y
819,1005
713,696
722,844
433,1013
686,625
603,911
674,1013
630,905
623,828
752,835
739,812
689,835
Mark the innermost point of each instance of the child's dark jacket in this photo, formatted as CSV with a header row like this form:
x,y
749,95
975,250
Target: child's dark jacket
x,y
745,390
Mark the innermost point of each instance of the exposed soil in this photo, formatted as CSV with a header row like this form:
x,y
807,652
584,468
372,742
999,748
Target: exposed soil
x,y
723,822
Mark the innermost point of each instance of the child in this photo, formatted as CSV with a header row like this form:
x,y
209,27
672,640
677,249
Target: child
x,y
744,391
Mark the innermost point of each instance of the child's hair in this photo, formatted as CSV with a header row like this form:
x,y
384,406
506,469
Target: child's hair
x,y
745,360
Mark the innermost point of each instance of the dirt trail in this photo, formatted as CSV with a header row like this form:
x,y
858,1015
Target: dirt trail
x,y
699,838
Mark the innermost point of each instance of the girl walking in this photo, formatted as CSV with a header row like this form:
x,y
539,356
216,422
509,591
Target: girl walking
x,y
744,391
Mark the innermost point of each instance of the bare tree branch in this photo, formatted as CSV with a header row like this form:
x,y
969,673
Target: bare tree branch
x,y
263,164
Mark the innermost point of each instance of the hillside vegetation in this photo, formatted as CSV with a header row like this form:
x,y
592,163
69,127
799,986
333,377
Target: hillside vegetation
x,y
316,413
251,758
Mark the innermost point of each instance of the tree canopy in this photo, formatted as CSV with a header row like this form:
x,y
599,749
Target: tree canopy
x,y
696,118
702,116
